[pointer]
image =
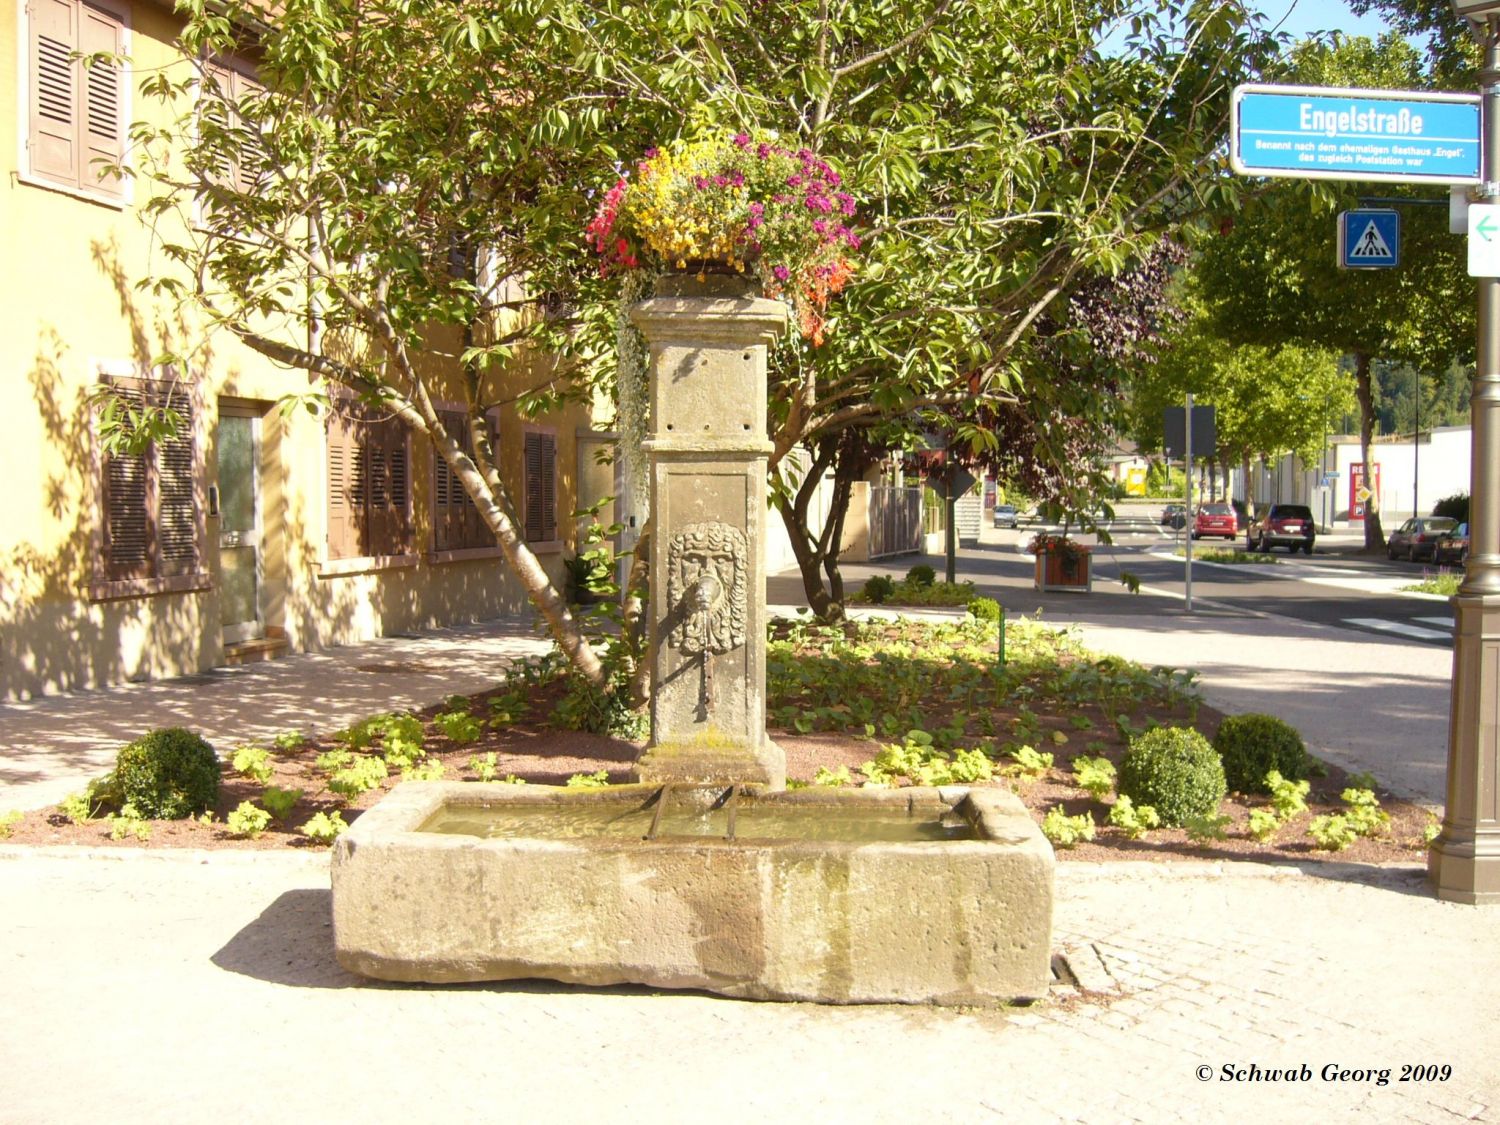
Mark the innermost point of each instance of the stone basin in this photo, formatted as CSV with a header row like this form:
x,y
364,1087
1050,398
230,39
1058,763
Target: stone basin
x,y
964,917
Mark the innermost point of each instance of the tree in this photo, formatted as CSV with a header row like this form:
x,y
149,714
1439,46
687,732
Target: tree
x,y
1267,401
1272,278
365,209
1006,163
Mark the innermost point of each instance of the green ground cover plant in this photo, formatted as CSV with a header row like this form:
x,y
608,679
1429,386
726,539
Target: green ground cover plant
x,y
1229,556
1441,581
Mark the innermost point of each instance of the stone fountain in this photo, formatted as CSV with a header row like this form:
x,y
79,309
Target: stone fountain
x,y
706,873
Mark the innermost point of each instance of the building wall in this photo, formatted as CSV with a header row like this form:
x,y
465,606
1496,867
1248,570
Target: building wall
x,y
1439,466
71,309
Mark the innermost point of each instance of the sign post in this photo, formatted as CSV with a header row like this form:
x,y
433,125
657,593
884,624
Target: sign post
x,y
1463,863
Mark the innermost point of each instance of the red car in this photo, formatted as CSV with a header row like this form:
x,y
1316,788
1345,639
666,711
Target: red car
x,y
1215,519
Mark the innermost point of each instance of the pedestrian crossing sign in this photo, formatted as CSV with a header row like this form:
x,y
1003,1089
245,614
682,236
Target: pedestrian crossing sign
x,y
1369,239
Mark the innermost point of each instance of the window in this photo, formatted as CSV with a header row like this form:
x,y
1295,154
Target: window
x,y
541,487
75,112
369,494
456,522
151,541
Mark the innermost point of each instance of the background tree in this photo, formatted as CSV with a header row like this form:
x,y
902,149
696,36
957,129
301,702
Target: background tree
x,y
1272,278
1005,164
1267,401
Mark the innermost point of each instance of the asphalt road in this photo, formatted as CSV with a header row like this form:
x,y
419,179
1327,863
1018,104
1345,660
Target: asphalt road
x,y
1336,586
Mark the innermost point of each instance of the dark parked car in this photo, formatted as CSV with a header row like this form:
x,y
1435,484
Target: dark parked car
x,y
1215,519
1418,537
1283,525
1174,516
1453,547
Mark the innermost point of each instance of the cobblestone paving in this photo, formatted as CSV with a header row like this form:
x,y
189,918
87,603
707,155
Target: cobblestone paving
x,y
162,988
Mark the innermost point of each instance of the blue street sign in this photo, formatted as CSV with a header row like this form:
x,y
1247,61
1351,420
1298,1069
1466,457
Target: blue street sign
x,y
1369,240
1395,136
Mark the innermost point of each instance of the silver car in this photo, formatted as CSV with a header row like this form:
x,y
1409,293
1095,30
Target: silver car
x,y
1006,515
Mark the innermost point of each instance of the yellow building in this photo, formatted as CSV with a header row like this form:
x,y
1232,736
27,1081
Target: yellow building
x,y
253,532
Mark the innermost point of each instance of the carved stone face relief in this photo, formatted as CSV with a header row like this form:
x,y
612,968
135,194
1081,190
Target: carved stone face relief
x,y
706,565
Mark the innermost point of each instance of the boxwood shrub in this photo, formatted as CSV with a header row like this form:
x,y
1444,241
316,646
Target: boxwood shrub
x,y
1251,746
168,774
1175,771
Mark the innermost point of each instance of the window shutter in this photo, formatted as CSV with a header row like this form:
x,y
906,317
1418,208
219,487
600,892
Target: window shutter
x,y
549,487
345,488
177,519
250,170
541,487
103,101
127,533
447,529
398,503
53,137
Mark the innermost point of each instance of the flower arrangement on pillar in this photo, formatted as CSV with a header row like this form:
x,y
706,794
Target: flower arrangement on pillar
x,y
1061,563
736,203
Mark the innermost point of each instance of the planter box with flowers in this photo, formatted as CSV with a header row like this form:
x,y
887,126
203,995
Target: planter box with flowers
x,y
1061,563
733,204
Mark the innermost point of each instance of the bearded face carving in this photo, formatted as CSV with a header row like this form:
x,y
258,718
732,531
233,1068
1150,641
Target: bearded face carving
x,y
706,587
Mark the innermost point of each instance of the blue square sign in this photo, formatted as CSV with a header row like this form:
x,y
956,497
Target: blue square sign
x,y
1369,239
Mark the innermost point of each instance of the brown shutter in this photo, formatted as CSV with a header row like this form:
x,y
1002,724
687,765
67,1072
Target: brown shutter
x,y
127,526
53,136
216,90
398,503
447,526
177,511
103,102
541,487
250,169
345,487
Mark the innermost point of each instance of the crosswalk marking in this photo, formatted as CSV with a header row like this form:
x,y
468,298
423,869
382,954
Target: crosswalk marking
x,y
1400,627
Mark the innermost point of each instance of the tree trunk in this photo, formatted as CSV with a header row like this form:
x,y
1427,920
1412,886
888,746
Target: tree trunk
x,y
1374,537
807,550
487,489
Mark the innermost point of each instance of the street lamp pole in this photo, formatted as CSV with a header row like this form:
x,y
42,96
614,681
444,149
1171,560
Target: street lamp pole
x,y
1463,864
1416,446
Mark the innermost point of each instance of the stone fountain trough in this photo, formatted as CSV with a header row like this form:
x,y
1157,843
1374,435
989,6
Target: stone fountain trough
x,y
707,874
841,896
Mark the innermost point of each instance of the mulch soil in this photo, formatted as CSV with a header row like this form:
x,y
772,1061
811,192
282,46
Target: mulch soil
x,y
531,749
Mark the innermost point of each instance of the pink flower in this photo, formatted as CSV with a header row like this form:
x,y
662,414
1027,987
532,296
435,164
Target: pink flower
x,y
741,139
794,181
820,226
781,273
651,152
846,203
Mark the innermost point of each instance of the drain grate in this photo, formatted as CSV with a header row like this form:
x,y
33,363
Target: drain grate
x,y
1062,972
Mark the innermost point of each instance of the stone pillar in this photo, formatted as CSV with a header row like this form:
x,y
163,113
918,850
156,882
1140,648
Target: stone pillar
x,y
707,444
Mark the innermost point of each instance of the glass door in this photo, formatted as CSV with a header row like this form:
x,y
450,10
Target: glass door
x,y
239,526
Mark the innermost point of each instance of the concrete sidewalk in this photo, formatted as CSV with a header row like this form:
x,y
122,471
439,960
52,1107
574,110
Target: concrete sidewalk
x,y
50,746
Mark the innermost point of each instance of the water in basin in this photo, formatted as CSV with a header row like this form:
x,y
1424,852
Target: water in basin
x,y
753,821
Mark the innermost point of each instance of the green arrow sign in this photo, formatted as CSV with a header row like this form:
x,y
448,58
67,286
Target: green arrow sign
x,y
1486,227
